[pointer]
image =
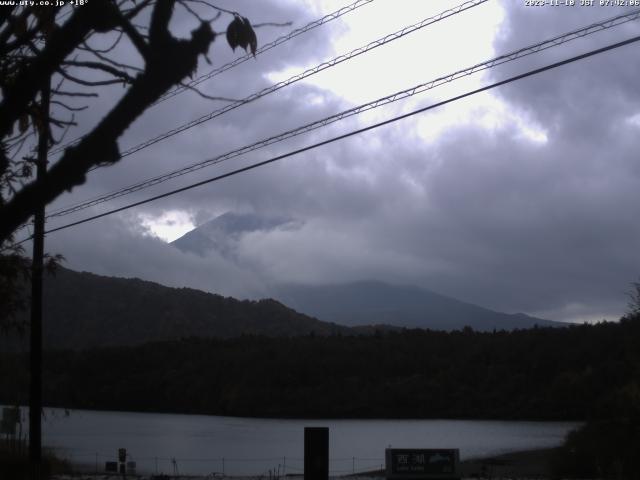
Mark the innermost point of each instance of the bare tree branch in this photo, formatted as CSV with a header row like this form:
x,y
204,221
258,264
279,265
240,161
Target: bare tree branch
x,y
104,58
135,37
130,14
65,93
69,107
30,80
165,68
105,50
159,27
87,83
204,95
100,66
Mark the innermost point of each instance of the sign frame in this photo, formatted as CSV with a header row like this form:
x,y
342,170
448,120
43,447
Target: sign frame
x,y
422,463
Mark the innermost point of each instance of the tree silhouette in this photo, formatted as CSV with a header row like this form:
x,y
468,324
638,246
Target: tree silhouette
x,y
38,44
75,50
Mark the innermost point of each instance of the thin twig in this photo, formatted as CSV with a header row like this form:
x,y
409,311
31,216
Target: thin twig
x,y
65,93
208,97
68,107
272,24
101,66
88,83
106,50
104,58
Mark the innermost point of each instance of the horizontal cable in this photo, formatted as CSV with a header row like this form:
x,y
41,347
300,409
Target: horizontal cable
x,y
350,134
280,40
310,26
522,52
300,76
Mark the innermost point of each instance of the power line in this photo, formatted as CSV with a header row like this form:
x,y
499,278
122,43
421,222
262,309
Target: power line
x,y
310,26
420,88
273,88
352,133
307,73
234,63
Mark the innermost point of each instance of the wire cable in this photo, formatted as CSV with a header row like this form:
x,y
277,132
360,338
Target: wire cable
x,y
352,133
307,73
310,26
234,63
420,88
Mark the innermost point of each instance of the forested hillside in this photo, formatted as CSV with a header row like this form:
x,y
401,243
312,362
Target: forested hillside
x,y
542,373
83,310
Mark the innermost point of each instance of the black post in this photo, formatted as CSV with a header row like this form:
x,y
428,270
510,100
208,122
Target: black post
x,y
35,359
316,453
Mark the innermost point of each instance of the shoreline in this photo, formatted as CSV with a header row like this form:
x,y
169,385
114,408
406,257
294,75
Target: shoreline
x,y
515,465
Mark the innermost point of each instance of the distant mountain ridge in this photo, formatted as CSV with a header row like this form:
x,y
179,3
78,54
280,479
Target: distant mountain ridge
x,y
362,303
373,302
84,310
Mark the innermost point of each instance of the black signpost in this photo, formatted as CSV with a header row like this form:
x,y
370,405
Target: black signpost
x,y
405,463
122,458
316,453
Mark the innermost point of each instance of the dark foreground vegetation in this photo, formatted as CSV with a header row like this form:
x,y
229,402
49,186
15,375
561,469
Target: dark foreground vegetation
x,y
14,462
587,372
579,372
601,449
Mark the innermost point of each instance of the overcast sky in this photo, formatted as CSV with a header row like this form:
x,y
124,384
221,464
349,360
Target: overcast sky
x,y
521,199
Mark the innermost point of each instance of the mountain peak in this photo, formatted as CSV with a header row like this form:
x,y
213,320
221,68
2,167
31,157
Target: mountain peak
x,y
221,233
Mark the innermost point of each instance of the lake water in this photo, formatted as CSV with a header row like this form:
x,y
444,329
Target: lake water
x,y
247,446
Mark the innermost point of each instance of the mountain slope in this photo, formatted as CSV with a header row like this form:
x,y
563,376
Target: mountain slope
x,y
83,310
370,302
359,303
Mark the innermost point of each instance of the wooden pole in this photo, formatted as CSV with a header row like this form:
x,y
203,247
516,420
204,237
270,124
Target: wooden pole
x,y
35,357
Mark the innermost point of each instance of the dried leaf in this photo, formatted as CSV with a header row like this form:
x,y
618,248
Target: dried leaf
x,y
251,36
234,31
240,33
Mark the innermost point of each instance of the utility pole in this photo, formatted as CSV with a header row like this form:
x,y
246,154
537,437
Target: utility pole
x,y
35,357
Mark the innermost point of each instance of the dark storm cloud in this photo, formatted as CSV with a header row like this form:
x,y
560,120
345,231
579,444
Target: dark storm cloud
x,y
229,132
581,99
553,223
485,214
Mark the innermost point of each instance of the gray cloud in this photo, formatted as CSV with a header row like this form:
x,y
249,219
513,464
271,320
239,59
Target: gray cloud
x,y
120,247
483,214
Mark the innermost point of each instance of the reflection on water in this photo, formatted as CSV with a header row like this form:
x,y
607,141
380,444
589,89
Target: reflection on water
x,y
240,446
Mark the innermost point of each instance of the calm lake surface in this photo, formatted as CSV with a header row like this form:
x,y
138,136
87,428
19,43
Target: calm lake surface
x,y
203,444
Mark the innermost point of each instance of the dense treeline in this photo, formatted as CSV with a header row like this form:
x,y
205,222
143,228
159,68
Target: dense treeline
x,y
544,373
